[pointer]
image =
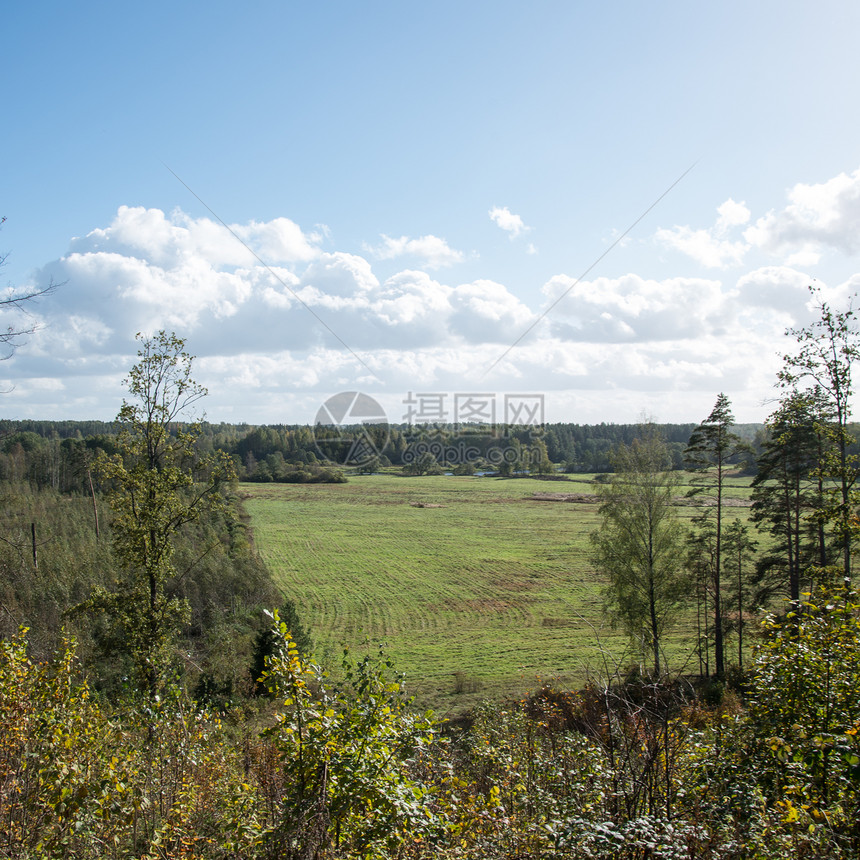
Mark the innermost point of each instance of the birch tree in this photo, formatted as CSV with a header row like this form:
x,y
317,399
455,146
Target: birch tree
x,y
639,545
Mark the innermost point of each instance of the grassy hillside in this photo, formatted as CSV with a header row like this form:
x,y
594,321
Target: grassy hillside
x,y
482,596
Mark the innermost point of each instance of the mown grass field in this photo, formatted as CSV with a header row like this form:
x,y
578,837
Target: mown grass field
x,y
484,596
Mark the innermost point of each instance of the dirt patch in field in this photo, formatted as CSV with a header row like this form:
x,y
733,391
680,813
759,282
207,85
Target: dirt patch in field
x,y
487,605
425,505
515,587
478,605
582,498
557,622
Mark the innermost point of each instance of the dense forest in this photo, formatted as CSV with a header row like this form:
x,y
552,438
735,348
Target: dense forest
x,y
154,704
57,453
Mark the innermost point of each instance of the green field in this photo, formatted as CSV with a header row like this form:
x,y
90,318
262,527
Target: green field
x,y
484,596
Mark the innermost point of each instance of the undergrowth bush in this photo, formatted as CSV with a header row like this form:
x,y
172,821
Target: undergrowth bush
x,y
347,769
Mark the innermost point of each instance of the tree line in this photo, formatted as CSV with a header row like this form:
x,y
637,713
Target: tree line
x,y
58,454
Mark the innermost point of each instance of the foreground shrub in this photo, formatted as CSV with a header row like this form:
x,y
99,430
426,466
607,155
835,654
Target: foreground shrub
x,y
79,779
346,753
347,770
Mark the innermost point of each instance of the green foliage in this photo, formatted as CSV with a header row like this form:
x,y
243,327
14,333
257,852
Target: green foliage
x,y
346,753
823,363
64,448
275,469
788,491
638,546
464,469
268,641
739,549
78,779
369,466
538,459
69,559
225,587
712,450
627,769
806,708
157,484
424,465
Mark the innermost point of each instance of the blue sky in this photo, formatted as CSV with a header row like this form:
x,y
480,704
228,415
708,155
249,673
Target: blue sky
x,y
422,183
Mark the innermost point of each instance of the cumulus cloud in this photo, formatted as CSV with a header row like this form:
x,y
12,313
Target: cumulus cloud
x,y
273,340
826,214
167,241
434,252
411,296
711,247
279,240
129,288
782,290
631,308
731,214
703,247
512,224
339,274
148,270
816,217
486,312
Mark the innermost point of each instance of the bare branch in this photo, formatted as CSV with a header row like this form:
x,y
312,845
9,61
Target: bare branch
x,y
16,301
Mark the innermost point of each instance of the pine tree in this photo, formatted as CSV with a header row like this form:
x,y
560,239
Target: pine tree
x,y
787,492
738,551
712,451
827,351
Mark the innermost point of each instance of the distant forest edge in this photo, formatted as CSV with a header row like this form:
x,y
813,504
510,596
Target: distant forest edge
x,y
57,454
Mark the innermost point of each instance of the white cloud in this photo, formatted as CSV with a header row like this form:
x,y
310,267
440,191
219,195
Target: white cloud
x,y
782,290
703,247
156,296
816,217
486,312
148,271
339,274
279,241
270,339
731,214
167,241
808,255
711,247
434,252
826,214
512,224
632,308
411,296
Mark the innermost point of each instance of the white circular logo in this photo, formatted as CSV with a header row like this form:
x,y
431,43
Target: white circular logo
x,y
351,429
